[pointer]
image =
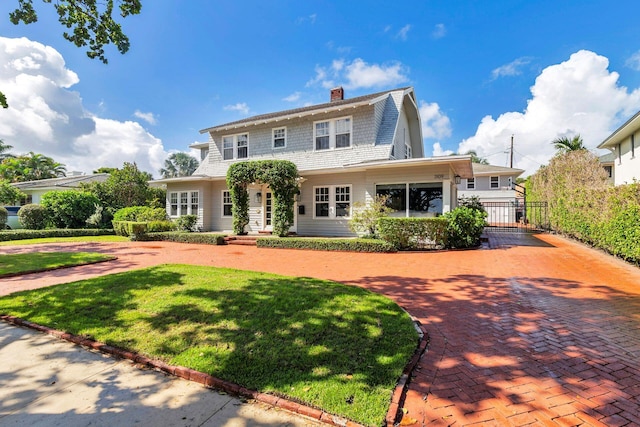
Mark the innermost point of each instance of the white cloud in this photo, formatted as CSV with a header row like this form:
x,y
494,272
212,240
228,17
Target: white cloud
x,y
242,107
293,97
358,74
439,31
579,95
46,117
511,69
435,124
402,34
147,117
438,151
633,61
310,18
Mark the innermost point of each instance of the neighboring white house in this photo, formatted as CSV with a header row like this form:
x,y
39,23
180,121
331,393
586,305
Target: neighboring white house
x,y
346,151
624,144
608,164
35,189
494,186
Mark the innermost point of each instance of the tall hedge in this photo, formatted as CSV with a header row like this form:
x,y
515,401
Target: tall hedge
x,y
584,205
70,208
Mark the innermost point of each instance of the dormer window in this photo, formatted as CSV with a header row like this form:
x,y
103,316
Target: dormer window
x,y
279,137
235,146
332,134
407,151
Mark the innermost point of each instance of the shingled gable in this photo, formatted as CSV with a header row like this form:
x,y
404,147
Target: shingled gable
x,y
336,105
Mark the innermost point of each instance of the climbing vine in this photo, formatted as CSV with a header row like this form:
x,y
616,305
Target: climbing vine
x,y
282,178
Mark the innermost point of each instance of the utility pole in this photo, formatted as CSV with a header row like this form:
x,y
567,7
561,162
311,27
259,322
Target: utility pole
x,y
511,151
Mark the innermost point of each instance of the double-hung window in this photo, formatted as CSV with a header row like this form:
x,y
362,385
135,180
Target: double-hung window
x,y
331,134
471,183
495,181
226,203
235,146
279,137
183,203
407,151
332,202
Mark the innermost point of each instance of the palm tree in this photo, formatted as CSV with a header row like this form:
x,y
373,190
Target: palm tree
x,y
179,164
4,150
31,167
566,145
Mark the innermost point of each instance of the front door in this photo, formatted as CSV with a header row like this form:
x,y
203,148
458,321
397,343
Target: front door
x,y
268,211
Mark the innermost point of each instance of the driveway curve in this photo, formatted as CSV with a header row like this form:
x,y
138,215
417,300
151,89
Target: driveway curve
x,y
535,330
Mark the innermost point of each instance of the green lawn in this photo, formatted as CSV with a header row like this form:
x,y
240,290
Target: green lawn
x,y
65,239
43,261
337,347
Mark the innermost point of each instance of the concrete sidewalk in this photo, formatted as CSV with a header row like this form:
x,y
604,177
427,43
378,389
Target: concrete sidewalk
x,y
45,381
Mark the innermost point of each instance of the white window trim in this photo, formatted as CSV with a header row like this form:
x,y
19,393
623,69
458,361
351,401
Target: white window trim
x,y
408,152
273,138
473,187
235,146
332,202
178,194
491,182
222,204
332,134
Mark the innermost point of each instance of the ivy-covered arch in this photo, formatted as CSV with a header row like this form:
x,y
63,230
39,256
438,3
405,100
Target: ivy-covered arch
x,y
282,178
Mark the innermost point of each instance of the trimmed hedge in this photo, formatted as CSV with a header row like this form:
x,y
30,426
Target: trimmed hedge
x,y
414,233
185,237
140,214
160,226
52,232
131,229
347,245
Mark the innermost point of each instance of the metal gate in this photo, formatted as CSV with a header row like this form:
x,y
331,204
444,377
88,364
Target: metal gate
x,y
517,216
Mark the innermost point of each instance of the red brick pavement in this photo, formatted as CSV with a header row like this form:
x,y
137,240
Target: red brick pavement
x,y
534,331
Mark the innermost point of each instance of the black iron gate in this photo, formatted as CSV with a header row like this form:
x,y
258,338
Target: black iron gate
x,y
517,216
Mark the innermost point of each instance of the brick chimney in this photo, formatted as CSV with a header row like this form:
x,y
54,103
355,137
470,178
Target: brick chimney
x,y
337,94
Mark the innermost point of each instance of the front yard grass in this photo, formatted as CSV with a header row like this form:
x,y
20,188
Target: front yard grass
x,y
65,240
31,263
336,347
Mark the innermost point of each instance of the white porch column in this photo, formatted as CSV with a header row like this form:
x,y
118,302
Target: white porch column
x,y
447,202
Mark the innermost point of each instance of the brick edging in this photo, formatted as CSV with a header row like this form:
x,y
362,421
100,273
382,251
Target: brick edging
x,y
394,415
191,375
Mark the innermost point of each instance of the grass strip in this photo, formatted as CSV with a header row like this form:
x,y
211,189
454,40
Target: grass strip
x,y
336,347
14,264
96,239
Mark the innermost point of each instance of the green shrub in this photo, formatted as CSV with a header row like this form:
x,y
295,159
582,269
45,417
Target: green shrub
x,y
349,245
140,214
4,215
413,233
465,227
187,222
364,217
52,232
69,208
472,202
182,237
133,229
33,217
160,226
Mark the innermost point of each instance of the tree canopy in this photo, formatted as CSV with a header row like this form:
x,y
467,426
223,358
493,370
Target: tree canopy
x,y
566,145
4,150
126,187
30,167
474,157
9,194
179,164
90,23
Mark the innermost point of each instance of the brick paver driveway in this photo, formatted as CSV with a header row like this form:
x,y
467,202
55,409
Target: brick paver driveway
x,y
534,331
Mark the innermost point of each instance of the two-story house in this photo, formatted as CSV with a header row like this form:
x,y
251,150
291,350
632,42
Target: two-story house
x,y
346,151
624,144
494,186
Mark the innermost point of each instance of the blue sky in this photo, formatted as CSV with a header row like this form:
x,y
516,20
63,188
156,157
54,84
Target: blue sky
x,y
482,71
